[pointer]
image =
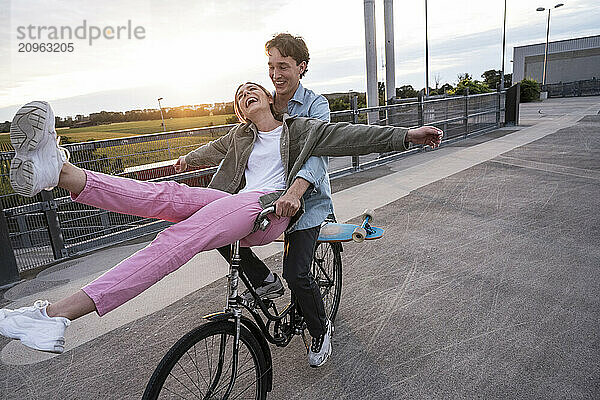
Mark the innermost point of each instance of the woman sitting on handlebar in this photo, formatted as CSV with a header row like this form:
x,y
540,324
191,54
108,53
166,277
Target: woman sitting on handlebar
x,y
261,157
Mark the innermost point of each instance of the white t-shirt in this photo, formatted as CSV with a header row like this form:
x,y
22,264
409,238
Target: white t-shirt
x,y
264,170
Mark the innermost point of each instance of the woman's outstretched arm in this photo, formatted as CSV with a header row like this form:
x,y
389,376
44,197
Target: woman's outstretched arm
x,y
344,139
211,153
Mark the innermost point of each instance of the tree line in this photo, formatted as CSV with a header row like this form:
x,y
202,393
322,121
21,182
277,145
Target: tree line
x,y
108,117
490,83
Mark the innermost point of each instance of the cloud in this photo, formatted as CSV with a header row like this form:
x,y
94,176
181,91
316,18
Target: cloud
x,y
197,51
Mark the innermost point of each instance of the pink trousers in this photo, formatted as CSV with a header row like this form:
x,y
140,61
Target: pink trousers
x,y
205,219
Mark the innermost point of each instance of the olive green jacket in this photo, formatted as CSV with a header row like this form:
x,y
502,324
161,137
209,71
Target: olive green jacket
x,y
300,138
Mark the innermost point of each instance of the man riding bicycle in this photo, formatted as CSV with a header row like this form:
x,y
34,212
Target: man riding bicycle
x,y
288,63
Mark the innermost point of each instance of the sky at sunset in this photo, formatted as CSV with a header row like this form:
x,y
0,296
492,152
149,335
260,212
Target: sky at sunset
x,y
198,51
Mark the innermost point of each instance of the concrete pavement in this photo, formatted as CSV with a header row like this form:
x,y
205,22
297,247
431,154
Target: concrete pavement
x,y
484,285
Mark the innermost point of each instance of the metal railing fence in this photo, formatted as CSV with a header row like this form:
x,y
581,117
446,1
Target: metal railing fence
x,y
590,87
50,226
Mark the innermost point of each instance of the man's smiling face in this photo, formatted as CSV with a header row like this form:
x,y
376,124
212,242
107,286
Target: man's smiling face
x,y
284,73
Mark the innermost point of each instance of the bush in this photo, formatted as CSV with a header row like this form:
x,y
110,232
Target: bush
x,y
475,87
406,92
339,104
530,90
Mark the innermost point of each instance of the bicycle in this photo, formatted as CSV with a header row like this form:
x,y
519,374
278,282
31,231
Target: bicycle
x,y
229,356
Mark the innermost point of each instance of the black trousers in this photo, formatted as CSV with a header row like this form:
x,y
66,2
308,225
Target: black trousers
x,y
253,267
299,248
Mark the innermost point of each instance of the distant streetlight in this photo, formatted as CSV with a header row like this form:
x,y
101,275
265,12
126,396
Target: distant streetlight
x,y
503,47
161,115
547,36
426,55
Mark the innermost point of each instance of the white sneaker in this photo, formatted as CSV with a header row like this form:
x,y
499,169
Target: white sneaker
x,y
319,352
38,158
34,327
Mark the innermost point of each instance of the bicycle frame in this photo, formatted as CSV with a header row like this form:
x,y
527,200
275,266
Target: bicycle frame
x,y
258,328
235,302
287,323
229,330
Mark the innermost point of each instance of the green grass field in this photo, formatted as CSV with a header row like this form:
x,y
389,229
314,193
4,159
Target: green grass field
x,y
122,129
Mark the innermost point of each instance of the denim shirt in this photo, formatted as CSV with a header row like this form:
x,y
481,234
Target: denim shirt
x,y
317,199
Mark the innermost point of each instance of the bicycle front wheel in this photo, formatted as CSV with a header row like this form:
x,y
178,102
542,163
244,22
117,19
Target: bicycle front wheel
x,y
327,271
199,366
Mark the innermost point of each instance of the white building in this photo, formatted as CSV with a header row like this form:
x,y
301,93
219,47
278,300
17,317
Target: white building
x,y
568,60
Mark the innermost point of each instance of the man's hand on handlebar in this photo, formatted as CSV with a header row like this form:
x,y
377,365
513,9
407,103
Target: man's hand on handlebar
x,y
180,165
287,205
427,135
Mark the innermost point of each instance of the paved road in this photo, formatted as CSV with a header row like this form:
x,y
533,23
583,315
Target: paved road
x,y
485,286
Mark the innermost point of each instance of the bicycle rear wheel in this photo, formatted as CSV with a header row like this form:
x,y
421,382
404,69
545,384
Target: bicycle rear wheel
x,y
199,366
327,271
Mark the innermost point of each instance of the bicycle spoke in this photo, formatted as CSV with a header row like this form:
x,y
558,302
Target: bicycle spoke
x,y
188,375
239,374
198,369
329,280
176,394
247,387
320,265
227,382
245,361
224,372
325,271
208,359
182,384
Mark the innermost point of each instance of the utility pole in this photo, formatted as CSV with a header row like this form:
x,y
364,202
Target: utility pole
x,y
503,47
426,55
390,63
161,115
371,59
546,49
547,37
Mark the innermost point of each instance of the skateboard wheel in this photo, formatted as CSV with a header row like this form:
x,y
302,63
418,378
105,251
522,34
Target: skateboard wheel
x,y
369,213
359,234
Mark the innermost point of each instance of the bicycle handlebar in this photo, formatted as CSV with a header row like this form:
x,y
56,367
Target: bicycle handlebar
x,y
262,222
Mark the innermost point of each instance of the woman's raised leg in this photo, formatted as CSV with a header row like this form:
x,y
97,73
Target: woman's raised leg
x,y
76,305
223,221
170,201
40,163
219,223
72,178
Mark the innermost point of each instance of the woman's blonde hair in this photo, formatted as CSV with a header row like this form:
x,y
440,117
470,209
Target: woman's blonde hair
x,y
238,111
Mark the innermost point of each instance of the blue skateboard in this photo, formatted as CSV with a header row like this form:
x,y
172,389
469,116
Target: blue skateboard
x,y
334,232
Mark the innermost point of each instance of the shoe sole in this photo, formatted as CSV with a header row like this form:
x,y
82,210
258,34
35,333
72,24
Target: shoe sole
x,y
268,296
26,134
58,348
273,295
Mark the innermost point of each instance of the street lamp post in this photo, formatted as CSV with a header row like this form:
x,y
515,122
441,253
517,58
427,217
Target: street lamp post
x,y
426,55
547,36
161,115
503,47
